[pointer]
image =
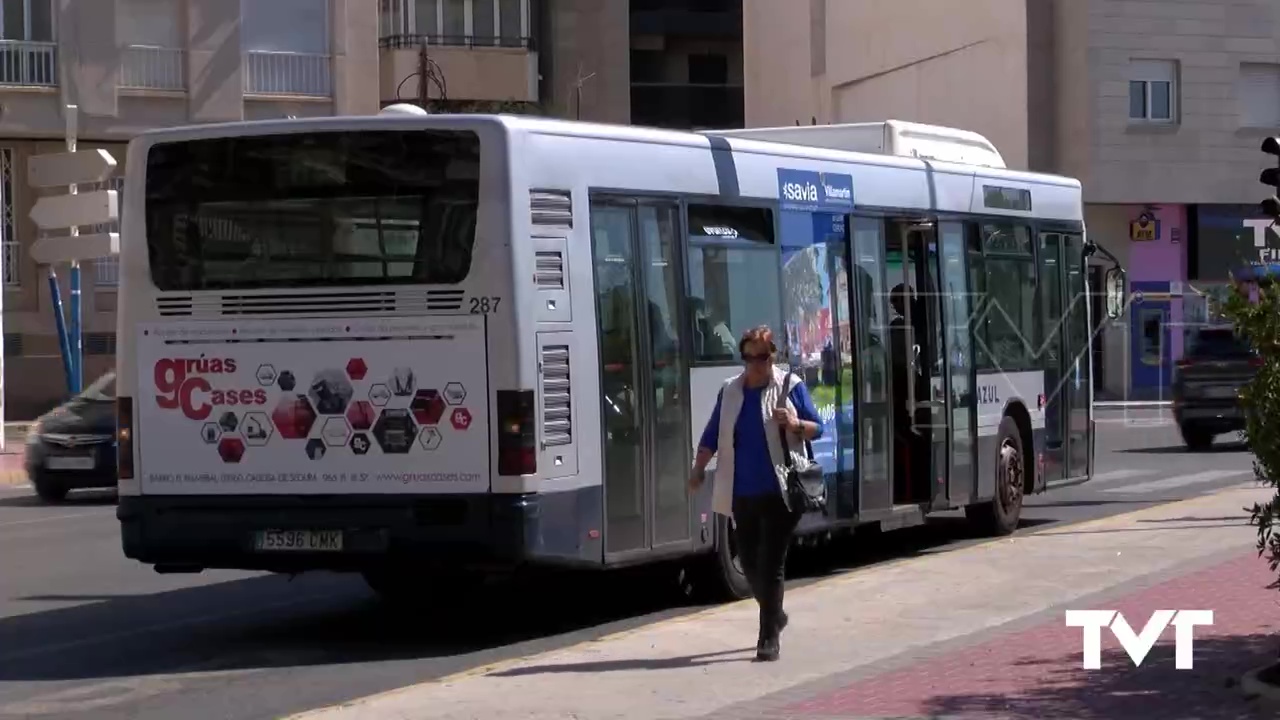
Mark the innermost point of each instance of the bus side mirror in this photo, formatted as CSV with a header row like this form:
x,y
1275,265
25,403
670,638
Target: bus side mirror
x,y
1114,289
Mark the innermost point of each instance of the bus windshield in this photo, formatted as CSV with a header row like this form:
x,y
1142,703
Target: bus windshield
x,y
312,209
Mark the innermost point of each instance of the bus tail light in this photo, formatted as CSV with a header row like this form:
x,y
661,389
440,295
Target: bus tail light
x,y
124,437
517,433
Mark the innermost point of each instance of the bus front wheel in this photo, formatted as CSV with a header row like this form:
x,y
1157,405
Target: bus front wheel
x,y
1001,515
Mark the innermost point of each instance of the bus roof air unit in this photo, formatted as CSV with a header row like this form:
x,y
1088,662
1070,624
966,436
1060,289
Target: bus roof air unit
x,y
889,137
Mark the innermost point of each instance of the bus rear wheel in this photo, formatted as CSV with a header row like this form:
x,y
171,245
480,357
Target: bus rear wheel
x,y
719,575
1000,516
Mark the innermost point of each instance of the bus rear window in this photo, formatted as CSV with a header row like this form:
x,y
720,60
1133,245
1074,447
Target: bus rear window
x,y
312,209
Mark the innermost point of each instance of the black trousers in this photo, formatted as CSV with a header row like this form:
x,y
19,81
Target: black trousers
x,y
764,529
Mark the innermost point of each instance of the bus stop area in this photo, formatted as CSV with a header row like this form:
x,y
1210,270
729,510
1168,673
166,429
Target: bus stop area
x,y
977,632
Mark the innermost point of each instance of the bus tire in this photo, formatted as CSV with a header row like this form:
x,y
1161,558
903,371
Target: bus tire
x,y
720,577
1000,516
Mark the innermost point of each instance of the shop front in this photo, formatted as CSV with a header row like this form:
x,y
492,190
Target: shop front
x,y
1157,274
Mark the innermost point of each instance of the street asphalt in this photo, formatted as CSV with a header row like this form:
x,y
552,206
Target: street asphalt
x,y
85,633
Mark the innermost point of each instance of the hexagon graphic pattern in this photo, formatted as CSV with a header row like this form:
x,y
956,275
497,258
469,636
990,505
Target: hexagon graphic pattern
x,y
379,394
256,429
228,422
427,407
210,432
293,417
360,443
231,449
429,438
357,368
403,381
361,415
335,431
330,392
461,418
287,381
395,431
315,448
455,393
266,375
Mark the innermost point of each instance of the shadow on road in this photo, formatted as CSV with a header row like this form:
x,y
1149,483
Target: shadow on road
x,y
326,619
87,498
1059,688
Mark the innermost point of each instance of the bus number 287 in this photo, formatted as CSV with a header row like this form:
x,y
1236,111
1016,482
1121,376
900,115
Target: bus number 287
x,y
484,305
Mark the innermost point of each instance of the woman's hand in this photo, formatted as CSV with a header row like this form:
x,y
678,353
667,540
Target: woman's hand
x,y
786,417
697,476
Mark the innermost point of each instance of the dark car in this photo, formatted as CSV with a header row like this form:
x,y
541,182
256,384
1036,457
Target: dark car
x,y
1207,384
73,446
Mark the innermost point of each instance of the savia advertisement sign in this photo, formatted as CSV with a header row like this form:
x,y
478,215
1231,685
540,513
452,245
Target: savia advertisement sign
x,y
809,190
313,406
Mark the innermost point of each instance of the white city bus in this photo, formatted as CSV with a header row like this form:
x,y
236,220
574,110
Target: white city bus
x,y
405,345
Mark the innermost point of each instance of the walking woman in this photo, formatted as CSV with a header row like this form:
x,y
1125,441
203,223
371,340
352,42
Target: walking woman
x,y
751,476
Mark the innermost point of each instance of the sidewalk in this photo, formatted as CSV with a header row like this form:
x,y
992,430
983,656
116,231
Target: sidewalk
x,y
12,471
971,633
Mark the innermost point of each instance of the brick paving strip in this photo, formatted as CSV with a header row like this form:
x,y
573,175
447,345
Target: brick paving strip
x,y
969,633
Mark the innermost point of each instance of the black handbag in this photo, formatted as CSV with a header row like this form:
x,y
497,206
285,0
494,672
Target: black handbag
x,y
807,486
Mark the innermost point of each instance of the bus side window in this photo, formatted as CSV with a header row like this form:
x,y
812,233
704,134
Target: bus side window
x,y
733,278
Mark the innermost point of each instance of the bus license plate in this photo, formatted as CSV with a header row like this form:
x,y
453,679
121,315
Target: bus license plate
x,y
299,541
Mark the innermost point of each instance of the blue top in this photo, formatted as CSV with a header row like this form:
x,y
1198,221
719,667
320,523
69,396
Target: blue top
x,y
753,468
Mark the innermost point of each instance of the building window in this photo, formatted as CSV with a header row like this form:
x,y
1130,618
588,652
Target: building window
x,y
1153,90
408,23
28,54
151,38
708,69
286,45
29,20
1258,92
12,260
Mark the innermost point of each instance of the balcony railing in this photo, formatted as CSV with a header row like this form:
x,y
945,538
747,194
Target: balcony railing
x,y
106,272
412,42
28,63
286,73
147,67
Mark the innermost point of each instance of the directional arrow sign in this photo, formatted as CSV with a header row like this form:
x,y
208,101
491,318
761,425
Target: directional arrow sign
x,y
65,211
67,248
70,168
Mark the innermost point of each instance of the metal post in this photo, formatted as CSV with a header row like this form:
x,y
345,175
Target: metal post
x,y
55,297
76,339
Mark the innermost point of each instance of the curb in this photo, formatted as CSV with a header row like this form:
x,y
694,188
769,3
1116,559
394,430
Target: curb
x,y
1255,688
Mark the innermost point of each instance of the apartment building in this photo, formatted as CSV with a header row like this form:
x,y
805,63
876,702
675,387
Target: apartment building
x,y
1158,107
665,63
133,65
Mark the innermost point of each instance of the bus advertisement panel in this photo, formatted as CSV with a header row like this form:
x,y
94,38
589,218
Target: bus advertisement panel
x,y
327,406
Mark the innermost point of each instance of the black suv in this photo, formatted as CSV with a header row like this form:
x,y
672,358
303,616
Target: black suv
x,y
1207,383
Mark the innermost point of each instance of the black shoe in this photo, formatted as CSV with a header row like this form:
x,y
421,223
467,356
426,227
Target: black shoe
x,y
768,650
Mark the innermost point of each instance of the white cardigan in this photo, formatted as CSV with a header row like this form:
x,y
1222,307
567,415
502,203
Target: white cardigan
x,y
731,401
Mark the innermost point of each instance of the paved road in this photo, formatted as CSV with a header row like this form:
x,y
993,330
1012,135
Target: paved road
x,y
86,634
